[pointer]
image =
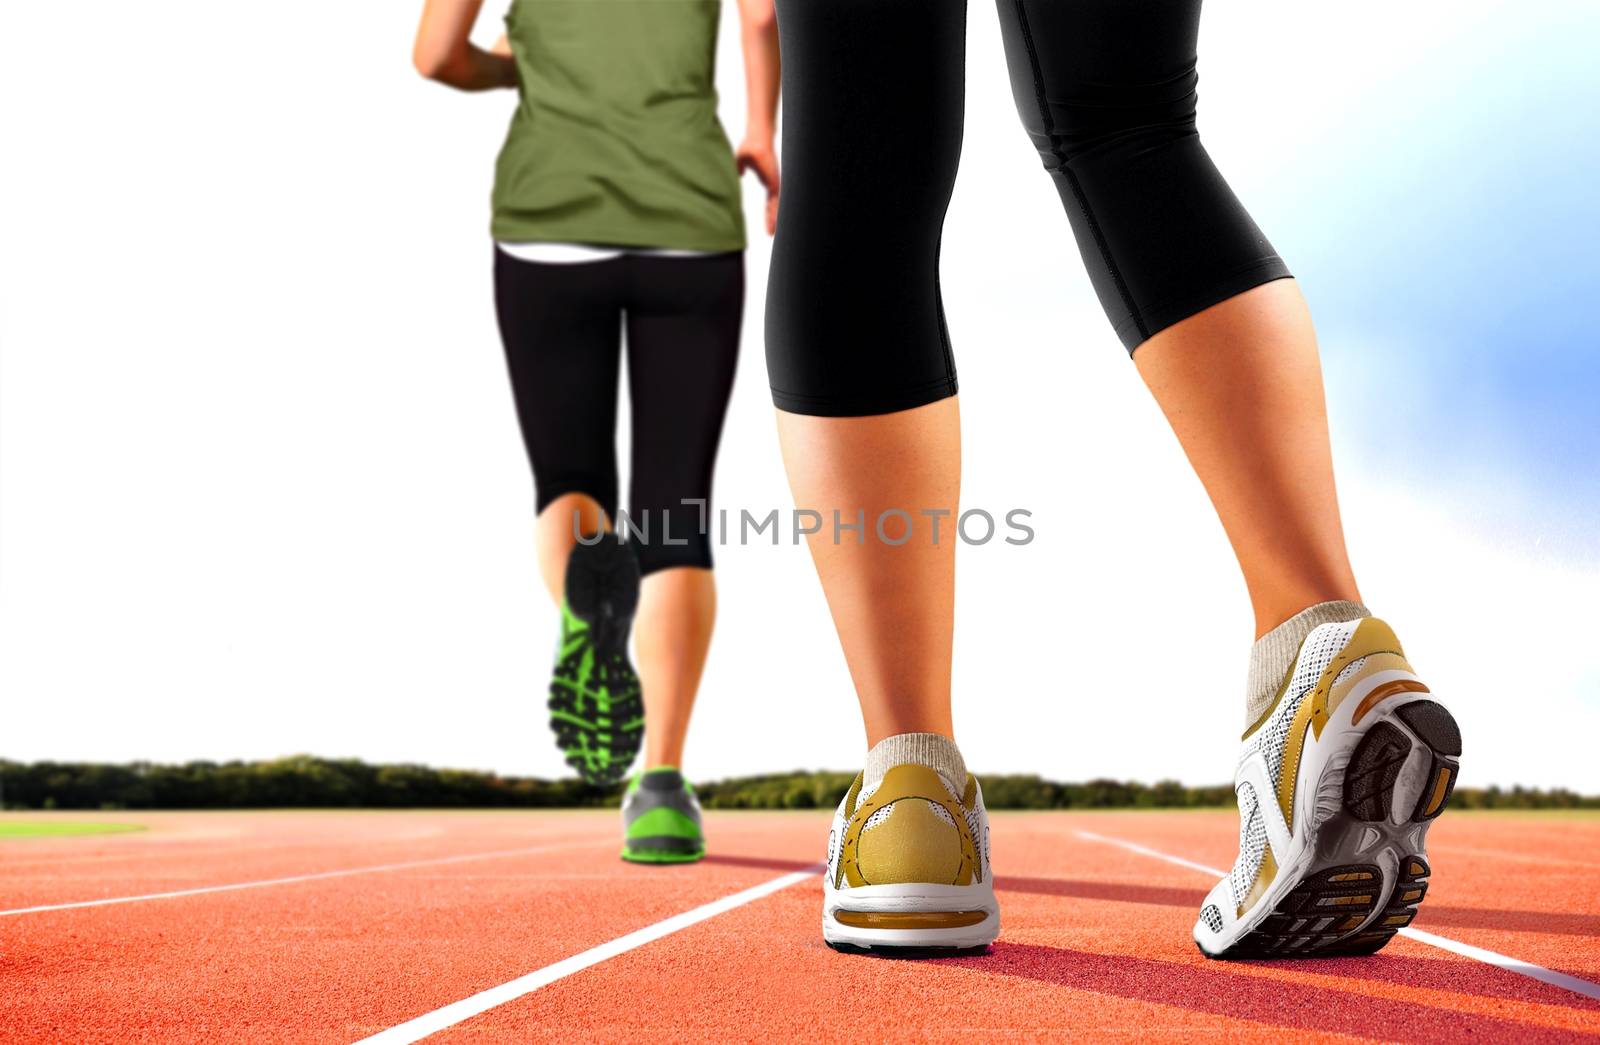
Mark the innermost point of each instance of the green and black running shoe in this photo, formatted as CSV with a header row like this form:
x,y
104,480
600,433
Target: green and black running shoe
x,y
596,709
661,819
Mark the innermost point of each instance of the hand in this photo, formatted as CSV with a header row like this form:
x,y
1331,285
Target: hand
x,y
760,158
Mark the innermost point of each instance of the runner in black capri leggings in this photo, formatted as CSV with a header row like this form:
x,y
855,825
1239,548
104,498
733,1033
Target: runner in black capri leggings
x,y
872,131
1345,759
617,215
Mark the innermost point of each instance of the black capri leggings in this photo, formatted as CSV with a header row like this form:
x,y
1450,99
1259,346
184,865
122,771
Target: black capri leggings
x,y
873,95
562,327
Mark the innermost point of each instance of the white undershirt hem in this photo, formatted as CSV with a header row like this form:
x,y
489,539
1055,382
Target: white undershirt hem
x,y
581,253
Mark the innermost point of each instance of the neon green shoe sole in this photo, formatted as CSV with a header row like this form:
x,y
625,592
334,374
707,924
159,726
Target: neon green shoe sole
x,y
661,856
596,706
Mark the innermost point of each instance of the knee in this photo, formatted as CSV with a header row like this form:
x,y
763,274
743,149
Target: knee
x,y
1095,117
1068,117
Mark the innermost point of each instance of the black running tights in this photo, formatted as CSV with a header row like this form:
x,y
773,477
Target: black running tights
x,y
873,99
562,326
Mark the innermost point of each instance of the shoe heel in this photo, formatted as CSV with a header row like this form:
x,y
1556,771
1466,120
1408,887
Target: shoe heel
x,y
1374,768
945,920
602,580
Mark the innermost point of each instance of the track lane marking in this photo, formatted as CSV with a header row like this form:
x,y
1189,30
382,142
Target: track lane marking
x,y
1445,943
456,1012
292,879
1510,964
1134,847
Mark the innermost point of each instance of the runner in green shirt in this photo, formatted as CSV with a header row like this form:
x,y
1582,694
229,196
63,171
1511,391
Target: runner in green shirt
x,y
617,207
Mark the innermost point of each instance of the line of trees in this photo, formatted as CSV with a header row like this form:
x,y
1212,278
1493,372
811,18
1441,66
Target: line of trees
x,y
298,781
305,781
802,790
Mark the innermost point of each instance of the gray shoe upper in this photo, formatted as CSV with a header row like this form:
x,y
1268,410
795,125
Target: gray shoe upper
x,y
661,789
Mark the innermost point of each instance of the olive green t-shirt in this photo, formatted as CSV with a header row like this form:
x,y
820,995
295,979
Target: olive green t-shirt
x,y
616,138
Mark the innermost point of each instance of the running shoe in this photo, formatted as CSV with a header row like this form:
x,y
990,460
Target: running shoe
x,y
908,868
661,819
596,709
1338,783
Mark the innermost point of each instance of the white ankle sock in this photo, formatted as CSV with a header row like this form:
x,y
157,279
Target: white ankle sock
x,y
937,752
1274,653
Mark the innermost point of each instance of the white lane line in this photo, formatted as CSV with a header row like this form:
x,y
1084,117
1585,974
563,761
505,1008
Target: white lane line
x,y
1466,950
291,879
1517,965
1141,850
456,1012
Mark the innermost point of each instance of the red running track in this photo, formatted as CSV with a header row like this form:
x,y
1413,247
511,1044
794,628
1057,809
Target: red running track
x,y
359,922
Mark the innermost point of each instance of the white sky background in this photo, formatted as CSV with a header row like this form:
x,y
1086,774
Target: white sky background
x,y
261,490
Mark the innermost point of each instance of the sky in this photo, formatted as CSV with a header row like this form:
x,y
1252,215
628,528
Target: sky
x,y
261,490
1466,272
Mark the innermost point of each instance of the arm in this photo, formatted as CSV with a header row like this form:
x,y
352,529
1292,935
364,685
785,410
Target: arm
x,y
445,52
759,34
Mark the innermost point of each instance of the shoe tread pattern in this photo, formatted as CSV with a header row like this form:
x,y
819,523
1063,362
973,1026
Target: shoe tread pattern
x,y
1439,733
607,699
1369,781
596,705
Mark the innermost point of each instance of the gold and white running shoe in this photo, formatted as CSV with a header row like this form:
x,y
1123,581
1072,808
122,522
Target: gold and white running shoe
x,y
1337,784
908,867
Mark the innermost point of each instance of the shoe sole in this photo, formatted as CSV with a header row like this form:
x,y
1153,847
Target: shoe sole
x,y
596,707
1367,869
892,951
910,921
638,856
